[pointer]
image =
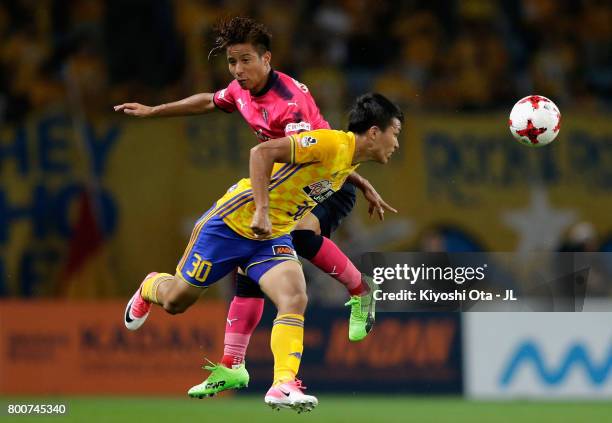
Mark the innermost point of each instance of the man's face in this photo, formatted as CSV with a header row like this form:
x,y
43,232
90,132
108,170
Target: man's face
x,y
386,141
247,66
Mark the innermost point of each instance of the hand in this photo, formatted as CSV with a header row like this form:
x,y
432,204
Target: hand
x,y
260,224
135,109
377,204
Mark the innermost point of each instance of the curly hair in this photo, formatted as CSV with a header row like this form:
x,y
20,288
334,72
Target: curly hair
x,y
238,30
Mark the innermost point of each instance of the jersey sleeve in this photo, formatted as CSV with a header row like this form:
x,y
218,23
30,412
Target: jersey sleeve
x,y
302,114
224,99
296,120
315,146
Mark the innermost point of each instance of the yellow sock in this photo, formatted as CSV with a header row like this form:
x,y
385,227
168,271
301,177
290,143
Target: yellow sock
x,y
287,344
149,287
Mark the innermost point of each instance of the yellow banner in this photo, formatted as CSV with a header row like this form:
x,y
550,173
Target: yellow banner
x,y
86,210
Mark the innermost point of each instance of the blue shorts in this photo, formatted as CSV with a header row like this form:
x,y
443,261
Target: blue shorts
x,y
216,250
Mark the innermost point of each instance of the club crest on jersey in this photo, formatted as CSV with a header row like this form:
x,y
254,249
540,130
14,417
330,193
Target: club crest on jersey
x,y
283,250
319,191
307,141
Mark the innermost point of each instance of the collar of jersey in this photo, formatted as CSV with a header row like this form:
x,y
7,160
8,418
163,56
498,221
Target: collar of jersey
x,y
272,77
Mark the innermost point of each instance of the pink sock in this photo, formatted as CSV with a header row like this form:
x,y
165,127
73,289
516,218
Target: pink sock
x,y
332,261
242,318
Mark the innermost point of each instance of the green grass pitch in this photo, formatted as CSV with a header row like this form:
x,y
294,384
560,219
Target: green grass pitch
x,y
353,409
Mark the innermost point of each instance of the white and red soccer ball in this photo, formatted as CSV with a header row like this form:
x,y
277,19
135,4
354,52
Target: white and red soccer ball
x,y
535,121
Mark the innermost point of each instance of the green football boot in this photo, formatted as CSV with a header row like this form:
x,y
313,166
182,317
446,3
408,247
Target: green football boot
x,y
363,312
220,379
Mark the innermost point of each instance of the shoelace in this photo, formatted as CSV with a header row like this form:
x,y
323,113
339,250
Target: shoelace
x,y
352,301
298,384
139,306
212,366
356,312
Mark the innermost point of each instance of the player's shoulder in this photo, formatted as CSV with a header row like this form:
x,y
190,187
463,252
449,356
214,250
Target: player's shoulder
x,y
337,133
327,135
232,88
298,89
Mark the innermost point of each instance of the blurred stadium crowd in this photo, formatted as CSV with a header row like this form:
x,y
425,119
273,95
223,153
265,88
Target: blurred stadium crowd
x,y
435,54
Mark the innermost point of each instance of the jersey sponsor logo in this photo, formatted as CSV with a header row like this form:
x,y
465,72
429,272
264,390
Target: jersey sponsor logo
x,y
296,127
291,103
319,191
307,141
264,113
283,250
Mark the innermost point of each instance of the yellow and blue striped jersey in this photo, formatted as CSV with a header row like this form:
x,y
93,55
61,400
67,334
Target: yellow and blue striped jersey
x,y
321,160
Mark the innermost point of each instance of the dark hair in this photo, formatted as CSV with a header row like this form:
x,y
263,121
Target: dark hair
x,y
238,30
373,109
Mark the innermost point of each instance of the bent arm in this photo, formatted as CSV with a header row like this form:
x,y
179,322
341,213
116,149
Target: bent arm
x,y
358,180
375,201
261,162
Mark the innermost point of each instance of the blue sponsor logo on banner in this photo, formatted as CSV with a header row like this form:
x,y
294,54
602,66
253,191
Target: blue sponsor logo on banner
x,y
577,355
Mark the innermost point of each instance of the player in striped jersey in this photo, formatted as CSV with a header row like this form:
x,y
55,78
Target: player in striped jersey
x,y
275,105
250,227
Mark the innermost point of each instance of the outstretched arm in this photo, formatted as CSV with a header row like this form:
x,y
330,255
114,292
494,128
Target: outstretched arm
x,y
376,203
261,162
194,105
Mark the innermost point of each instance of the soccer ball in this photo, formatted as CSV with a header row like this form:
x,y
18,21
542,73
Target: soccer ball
x,y
535,121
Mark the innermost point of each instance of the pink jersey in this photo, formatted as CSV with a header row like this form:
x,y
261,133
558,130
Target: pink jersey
x,y
283,107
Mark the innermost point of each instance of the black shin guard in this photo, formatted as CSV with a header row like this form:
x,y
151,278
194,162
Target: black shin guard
x,y
307,244
247,288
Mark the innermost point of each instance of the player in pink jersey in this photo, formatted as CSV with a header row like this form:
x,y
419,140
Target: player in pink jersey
x,y
275,105
282,107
